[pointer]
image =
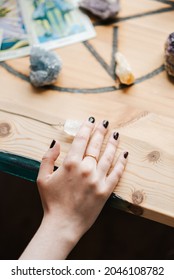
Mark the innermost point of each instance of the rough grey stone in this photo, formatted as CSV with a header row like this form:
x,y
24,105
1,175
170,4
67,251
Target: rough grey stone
x,y
45,67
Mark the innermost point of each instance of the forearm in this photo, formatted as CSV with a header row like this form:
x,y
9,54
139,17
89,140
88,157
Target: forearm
x,y
53,240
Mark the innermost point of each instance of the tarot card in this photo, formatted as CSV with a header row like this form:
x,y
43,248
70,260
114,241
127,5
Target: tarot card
x,y
55,23
51,24
13,35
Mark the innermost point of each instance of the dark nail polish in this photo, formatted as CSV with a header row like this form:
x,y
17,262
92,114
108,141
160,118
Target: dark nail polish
x,y
52,144
55,168
105,124
126,154
115,135
91,119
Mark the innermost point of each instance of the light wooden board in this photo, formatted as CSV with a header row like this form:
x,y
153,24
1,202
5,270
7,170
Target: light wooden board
x,y
143,113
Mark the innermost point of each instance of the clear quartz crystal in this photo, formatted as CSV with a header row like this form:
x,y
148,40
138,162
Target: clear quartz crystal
x,y
71,127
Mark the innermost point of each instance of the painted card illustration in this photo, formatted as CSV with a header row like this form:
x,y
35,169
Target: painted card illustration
x,y
49,23
55,23
13,35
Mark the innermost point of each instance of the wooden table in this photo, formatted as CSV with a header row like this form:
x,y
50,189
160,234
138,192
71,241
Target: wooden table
x,y
143,113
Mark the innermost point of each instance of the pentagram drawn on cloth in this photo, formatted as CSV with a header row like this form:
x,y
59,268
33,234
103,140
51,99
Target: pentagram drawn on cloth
x,y
109,68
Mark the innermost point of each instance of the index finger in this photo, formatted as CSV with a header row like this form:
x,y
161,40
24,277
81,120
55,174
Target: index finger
x,y
81,139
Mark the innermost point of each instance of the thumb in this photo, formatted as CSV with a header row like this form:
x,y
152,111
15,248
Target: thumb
x,y
48,160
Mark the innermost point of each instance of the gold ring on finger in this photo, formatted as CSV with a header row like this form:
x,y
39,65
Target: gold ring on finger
x,y
89,155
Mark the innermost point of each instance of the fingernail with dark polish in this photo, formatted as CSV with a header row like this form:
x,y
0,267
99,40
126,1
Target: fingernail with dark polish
x,y
91,119
52,144
105,124
126,154
115,135
55,168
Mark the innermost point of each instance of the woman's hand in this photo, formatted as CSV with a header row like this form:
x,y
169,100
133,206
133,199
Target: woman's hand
x,y
74,194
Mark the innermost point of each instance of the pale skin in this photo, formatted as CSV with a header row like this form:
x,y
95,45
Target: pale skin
x,y
74,195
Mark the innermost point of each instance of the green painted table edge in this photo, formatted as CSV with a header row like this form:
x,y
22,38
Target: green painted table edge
x,y
19,166
27,168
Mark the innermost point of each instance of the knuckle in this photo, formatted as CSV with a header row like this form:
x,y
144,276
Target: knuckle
x,y
94,184
45,158
112,144
81,137
99,129
102,194
99,133
122,166
120,172
40,181
70,163
109,158
86,171
95,145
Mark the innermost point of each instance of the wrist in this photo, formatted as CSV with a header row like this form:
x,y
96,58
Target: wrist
x,y
63,233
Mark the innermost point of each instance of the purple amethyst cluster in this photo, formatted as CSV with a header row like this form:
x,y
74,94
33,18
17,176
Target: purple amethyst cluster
x,y
104,9
169,54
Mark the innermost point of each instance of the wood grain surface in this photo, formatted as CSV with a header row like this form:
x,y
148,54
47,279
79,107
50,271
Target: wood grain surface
x,y
87,86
